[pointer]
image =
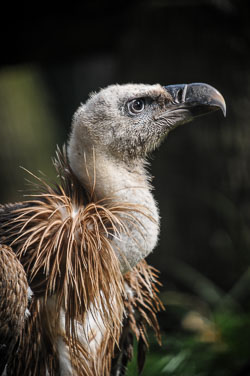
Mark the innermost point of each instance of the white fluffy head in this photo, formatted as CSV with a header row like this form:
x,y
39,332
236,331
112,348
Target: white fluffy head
x,y
107,121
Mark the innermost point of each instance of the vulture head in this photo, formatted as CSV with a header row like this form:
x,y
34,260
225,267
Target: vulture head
x,y
126,122
112,135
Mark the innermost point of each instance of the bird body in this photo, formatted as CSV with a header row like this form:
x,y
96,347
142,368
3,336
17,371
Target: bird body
x,y
81,243
61,237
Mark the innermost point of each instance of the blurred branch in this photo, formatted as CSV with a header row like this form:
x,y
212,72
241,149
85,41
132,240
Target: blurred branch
x,y
195,281
202,286
240,291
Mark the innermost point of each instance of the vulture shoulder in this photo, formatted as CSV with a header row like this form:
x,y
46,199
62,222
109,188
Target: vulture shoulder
x,y
14,293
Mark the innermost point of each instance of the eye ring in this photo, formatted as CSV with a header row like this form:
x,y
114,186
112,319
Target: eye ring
x,y
136,106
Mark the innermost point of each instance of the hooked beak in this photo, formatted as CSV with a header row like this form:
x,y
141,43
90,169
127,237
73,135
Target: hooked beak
x,y
192,100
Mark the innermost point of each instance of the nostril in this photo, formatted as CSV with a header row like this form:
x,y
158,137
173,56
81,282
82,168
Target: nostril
x,y
179,95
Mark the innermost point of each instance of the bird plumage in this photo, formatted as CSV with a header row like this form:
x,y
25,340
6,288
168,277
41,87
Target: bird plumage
x,y
13,303
61,236
80,244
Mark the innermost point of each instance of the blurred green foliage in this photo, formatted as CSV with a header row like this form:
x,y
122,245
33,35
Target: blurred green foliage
x,y
202,336
27,129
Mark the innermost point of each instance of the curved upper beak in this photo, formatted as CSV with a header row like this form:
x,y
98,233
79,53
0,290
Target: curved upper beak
x,y
195,99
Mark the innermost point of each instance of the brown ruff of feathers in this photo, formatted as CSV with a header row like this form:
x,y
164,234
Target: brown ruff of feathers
x,y
13,303
62,236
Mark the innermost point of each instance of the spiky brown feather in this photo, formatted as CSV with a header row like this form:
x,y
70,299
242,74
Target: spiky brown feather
x,y
141,308
62,236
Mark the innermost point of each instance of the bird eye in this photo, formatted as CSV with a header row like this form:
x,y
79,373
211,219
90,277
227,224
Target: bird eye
x,y
136,106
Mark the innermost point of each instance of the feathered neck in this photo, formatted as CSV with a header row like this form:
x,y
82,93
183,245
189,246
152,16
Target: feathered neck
x,y
115,181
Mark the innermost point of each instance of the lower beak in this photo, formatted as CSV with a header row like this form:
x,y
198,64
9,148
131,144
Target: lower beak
x,y
195,99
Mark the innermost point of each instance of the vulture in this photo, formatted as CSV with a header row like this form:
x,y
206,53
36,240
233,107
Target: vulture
x,y
75,288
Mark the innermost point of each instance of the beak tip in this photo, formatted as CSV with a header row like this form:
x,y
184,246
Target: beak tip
x,y
224,109
220,101
221,105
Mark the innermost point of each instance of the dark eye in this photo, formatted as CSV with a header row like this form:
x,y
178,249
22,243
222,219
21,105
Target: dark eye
x,y
136,106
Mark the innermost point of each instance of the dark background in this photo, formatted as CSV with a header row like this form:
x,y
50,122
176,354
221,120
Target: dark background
x,y
50,61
